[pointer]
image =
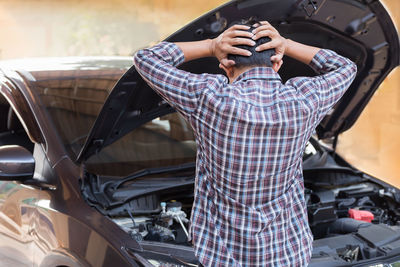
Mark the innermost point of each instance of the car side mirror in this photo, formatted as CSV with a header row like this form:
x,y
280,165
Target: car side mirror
x,y
16,163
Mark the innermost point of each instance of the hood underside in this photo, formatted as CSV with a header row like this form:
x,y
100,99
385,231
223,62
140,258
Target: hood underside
x,y
361,30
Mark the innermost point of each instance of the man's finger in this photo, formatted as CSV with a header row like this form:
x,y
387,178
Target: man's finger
x,y
277,58
236,51
264,33
242,41
280,64
239,33
277,65
268,45
264,22
226,63
238,27
263,28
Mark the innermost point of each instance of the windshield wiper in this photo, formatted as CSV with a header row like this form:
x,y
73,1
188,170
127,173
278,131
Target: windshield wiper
x,y
150,171
100,194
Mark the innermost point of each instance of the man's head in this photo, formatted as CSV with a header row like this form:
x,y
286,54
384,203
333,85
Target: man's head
x,y
256,59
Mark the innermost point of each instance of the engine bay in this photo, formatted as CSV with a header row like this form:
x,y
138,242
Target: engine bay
x,y
352,217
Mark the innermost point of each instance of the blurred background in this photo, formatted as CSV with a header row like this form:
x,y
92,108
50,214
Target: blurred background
x,y
43,28
90,27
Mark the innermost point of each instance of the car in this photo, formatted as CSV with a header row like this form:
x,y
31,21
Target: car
x,y
97,170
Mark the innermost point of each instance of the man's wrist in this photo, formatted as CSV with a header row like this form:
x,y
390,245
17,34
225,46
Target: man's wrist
x,y
211,46
288,47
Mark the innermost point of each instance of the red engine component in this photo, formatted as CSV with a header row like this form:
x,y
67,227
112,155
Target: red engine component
x,y
361,215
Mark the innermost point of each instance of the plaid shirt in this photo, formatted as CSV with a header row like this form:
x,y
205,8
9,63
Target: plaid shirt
x,y
249,207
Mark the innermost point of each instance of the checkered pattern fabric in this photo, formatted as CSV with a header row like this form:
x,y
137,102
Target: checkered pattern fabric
x,y
249,207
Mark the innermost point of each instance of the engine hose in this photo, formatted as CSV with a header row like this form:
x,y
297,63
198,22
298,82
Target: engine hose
x,y
346,226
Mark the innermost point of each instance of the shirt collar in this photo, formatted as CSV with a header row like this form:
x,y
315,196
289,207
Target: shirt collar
x,y
258,73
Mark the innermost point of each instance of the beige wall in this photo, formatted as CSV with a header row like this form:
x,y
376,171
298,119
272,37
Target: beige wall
x,y
31,28
37,28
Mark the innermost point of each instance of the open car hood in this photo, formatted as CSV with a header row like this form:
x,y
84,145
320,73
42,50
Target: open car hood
x,y
361,30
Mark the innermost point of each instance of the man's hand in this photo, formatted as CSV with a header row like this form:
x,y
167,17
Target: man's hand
x,y
277,41
282,46
225,44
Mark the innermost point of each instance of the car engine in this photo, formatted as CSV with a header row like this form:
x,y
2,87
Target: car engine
x,y
353,216
170,225
324,208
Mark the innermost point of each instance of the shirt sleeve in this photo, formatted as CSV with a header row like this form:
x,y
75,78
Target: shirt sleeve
x,y
336,75
181,89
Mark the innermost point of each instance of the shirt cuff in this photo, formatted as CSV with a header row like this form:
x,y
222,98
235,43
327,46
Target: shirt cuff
x,y
320,60
170,53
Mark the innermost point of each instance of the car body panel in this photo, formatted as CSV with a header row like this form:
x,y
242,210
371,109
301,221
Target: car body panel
x,y
20,105
17,208
56,225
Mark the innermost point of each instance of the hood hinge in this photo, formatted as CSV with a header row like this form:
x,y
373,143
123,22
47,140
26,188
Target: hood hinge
x,y
310,8
98,143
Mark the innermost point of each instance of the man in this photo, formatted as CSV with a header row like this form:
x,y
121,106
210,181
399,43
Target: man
x,y
249,207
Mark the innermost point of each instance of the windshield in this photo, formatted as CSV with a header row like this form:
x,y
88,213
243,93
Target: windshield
x,y
73,100
164,141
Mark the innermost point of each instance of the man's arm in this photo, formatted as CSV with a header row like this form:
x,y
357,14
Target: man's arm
x,y
337,72
300,52
181,89
156,66
219,47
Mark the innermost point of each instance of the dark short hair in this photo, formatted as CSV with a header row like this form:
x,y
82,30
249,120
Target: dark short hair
x,y
262,58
